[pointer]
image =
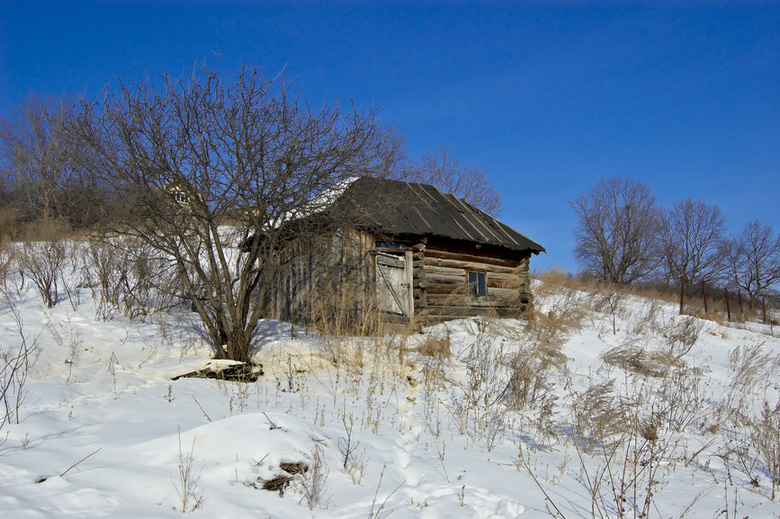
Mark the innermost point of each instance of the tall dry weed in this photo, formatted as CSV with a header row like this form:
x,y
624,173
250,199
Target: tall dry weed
x,y
765,439
599,416
751,370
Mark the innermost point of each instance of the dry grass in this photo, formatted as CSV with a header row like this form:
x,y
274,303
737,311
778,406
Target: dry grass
x,y
437,347
599,417
641,361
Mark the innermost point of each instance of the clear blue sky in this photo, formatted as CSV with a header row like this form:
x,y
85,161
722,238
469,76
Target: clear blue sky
x,y
545,97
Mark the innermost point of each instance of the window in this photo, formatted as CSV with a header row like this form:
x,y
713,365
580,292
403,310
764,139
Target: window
x,y
477,285
390,245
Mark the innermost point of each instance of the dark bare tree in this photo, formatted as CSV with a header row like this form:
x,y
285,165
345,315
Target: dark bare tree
x,y
692,235
42,179
617,234
753,260
212,168
35,153
448,175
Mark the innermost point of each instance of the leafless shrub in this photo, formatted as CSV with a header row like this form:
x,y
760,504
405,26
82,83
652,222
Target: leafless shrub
x,y
681,399
628,479
131,278
75,272
14,364
485,361
103,271
481,411
248,152
43,261
510,369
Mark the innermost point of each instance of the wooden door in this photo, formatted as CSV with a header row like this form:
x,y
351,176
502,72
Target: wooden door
x,y
394,283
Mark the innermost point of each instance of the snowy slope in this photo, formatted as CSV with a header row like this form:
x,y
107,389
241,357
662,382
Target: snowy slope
x,y
104,431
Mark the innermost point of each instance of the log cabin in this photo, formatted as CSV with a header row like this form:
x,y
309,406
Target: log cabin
x,y
409,252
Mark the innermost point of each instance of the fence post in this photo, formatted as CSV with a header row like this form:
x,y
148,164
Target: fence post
x,y
728,307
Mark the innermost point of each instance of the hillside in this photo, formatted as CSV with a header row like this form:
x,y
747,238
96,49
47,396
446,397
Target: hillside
x,y
576,413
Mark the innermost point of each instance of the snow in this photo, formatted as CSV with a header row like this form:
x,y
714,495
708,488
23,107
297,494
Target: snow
x,y
104,431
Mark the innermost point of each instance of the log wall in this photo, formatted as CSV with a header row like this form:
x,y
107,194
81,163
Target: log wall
x,y
441,284
337,278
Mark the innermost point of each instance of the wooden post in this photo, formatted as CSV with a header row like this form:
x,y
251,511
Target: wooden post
x,y
704,296
682,295
741,311
728,307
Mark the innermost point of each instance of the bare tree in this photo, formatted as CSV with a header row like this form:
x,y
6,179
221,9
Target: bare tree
x,y
212,171
692,236
445,172
35,151
617,234
43,182
753,258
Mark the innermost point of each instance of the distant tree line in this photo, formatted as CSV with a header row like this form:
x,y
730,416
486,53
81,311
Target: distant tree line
x,y
624,236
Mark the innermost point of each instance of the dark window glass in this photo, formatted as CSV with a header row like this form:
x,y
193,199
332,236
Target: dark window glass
x,y
477,285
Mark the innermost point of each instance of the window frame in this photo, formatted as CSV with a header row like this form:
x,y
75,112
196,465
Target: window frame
x,y
478,286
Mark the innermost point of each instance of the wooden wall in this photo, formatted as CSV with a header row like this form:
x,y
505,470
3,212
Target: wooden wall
x,y
337,281
441,286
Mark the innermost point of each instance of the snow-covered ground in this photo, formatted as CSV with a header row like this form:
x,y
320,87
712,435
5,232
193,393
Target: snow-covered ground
x,y
393,426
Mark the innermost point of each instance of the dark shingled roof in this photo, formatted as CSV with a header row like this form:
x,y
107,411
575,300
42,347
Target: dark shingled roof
x,y
407,208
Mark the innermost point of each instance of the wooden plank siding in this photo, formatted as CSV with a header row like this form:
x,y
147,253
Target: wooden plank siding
x,y
329,281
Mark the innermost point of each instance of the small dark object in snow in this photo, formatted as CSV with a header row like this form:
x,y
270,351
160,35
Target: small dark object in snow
x,y
279,483
240,372
293,468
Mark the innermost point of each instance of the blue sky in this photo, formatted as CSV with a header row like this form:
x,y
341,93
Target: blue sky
x,y
545,97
